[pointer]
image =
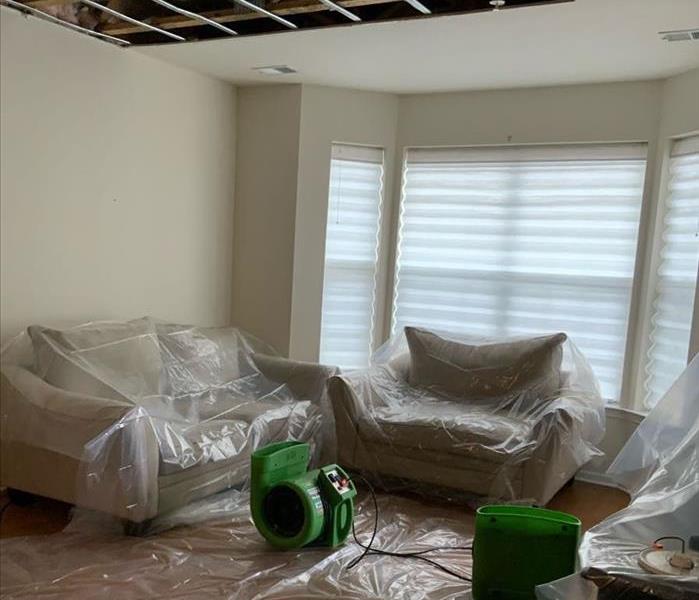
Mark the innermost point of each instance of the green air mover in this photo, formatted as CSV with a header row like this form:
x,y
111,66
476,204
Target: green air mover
x,y
293,507
516,548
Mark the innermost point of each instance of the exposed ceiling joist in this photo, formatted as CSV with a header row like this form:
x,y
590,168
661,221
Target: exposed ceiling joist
x,y
128,19
195,16
417,5
343,11
46,3
232,15
141,22
266,13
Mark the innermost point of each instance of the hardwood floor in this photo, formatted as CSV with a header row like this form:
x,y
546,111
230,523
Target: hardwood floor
x,y
44,516
591,503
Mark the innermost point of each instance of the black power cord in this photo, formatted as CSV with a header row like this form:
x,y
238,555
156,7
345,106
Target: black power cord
x,y
671,537
418,555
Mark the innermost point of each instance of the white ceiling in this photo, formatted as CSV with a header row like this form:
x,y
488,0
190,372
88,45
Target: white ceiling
x,y
577,42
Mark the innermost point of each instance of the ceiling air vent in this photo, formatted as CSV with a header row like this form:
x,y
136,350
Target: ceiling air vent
x,y
680,35
275,70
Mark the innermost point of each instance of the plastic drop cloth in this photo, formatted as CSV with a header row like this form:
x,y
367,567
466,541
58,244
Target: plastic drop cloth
x,y
659,466
138,418
509,419
222,556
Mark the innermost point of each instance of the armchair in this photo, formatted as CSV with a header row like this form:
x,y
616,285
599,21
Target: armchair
x,y
511,420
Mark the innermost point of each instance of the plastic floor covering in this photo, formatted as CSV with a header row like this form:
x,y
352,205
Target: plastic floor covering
x,y
212,550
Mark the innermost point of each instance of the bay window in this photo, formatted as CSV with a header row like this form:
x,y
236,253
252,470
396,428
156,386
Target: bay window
x,y
510,240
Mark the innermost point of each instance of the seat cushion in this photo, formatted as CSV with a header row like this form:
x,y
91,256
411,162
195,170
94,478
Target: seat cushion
x,y
233,435
527,367
398,465
446,426
106,359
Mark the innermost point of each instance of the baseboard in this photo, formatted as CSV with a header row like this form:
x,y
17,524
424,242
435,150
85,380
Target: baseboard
x,y
616,412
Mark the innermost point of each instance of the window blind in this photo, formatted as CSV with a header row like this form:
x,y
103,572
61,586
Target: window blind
x,y
523,240
675,290
351,252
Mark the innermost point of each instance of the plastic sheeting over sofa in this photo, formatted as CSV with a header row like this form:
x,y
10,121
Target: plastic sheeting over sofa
x,y
509,419
138,418
660,467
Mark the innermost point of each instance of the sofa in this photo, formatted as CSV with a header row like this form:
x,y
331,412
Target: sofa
x,y
508,420
138,418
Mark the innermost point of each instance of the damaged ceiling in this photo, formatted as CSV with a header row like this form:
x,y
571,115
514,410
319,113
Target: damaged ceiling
x,y
144,22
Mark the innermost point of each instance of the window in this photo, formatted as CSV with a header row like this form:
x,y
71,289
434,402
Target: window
x,y
523,240
351,251
675,290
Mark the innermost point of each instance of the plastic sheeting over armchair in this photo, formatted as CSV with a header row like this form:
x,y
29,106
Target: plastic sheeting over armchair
x,y
137,418
659,466
510,419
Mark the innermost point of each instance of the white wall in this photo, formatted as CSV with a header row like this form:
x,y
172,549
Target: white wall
x,y
680,110
117,183
578,113
332,115
268,154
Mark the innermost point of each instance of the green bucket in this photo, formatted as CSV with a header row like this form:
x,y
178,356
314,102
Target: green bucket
x,y
516,548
